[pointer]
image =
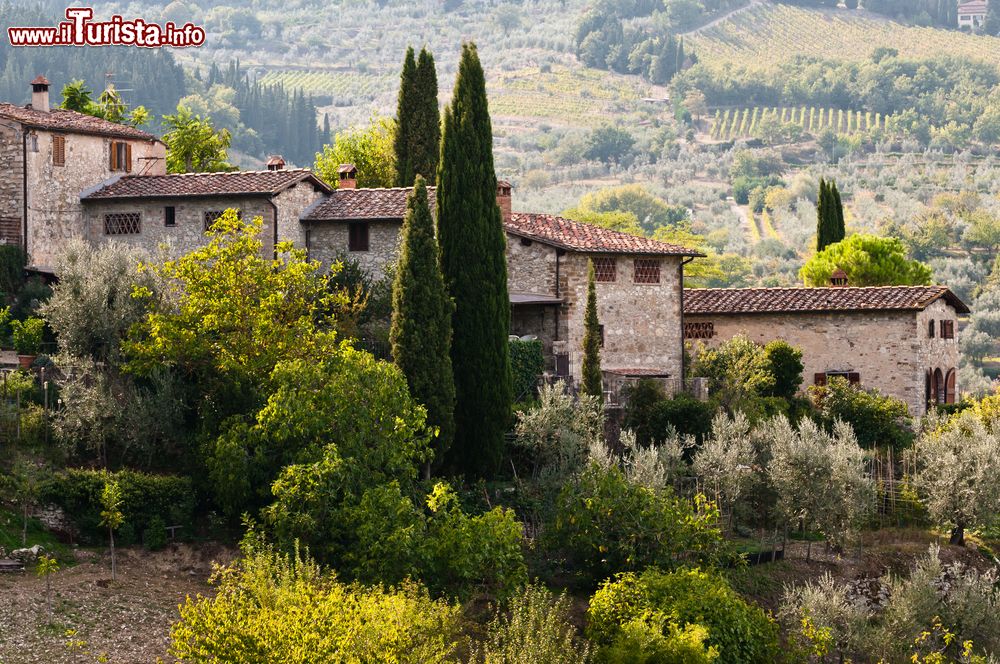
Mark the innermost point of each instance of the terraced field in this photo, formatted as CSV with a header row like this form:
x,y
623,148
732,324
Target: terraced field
x,y
774,33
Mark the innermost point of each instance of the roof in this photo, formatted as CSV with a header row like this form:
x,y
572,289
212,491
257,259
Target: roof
x,y
587,238
235,183
834,298
58,119
382,204
534,298
973,7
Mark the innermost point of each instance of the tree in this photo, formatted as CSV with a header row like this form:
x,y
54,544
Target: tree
x,y
609,144
46,567
786,366
402,141
868,260
650,211
694,103
24,484
193,144
830,216
724,460
109,106
77,97
418,134
878,420
593,382
112,517
420,333
473,260
370,149
738,372
957,466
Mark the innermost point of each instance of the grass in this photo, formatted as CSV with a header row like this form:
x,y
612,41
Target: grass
x,y
10,535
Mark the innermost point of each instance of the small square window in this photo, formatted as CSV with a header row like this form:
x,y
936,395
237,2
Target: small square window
x,y
647,271
121,156
122,223
604,268
212,216
947,329
169,216
357,237
699,330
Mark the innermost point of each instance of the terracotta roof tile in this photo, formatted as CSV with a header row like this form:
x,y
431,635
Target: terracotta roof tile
x,y
836,298
70,121
372,204
587,238
202,184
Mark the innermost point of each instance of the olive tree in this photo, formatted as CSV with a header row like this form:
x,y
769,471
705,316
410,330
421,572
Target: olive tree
x,y
956,470
724,462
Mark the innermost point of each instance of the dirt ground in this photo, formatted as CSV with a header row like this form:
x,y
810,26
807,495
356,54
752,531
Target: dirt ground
x,y
122,622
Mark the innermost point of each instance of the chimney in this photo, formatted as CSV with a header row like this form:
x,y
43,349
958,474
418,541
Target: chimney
x,y
348,175
275,162
503,199
40,94
838,278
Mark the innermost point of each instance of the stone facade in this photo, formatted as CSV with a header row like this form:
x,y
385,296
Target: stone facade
x,y
12,183
891,351
328,240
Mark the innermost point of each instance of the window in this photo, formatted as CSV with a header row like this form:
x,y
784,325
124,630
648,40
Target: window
x,y
212,216
604,268
930,329
357,237
122,223
646,271
121,156
947,329
699,330
600,331
58,150
169,216
852,377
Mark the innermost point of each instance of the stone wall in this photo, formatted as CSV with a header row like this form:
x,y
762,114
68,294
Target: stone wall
x,y
329,239
55,213
11,183
187,234
290,203
890,351
531,266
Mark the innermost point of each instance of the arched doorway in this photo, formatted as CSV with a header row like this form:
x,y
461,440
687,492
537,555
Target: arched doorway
x,y
949,386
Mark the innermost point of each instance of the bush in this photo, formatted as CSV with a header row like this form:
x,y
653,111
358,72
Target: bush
x,y
278,608
145,498
654,639
877,420
606,524
154,537
27,335
536,628
526,366
741,632
654,418
12,262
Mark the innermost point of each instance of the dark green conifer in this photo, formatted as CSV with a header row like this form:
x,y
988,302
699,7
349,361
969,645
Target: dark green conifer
x,y
473,260
421,319
593,383
426,134
839,227
405,111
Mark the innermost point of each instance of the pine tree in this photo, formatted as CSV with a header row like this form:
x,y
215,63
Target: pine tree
x,y
593,383
473,260
405,111
426,134
421,319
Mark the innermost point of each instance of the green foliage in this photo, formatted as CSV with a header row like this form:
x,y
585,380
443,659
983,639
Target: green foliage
x,y
785,363
154,537
421,319
653,417
593,380
526,365
651,212
739,371
144,497
829,215
474,263
12,262
273,607
194,145
673,601
535,628
655,640
605,524
109,105
610,144
868,260
27,335
418,137
370,149
877,420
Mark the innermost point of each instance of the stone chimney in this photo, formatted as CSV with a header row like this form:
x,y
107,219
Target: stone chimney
x,y
275,162
348,175
838,278
503,199
40,94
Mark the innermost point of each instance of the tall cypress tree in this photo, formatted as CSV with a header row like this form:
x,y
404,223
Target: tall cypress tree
x,y
823,230
405,110
421,319
838,225
592,379
426,134
473,260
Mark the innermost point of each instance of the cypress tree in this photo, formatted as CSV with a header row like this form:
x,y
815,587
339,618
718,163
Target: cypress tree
x,y
838,225
407,100
473,260
426,134
824,232
421,319
592,380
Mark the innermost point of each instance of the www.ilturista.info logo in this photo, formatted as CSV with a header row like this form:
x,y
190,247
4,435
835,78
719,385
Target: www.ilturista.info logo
x,y
79,30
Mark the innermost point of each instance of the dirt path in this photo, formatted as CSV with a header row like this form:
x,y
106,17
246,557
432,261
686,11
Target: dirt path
x,y
128,621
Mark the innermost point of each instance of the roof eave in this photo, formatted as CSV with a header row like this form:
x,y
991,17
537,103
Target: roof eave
x,y
562,245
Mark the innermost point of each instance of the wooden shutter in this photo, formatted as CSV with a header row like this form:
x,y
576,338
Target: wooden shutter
x,y
949,387
819,379
854,378
128,157
114,156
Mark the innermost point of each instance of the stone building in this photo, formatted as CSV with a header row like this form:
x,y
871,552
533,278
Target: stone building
x,y
900,340
47,157
169,214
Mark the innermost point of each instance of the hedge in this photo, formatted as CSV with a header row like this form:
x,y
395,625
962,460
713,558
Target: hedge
x,y
146,500
526,365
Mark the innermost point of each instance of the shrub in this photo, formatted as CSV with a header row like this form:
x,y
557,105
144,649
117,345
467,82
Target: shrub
x,y
557,435
653,417
877,420
786,366
655,639
154,537
741,632
27,335
12,262
536,628
606,524
526,365
273,607
144,497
